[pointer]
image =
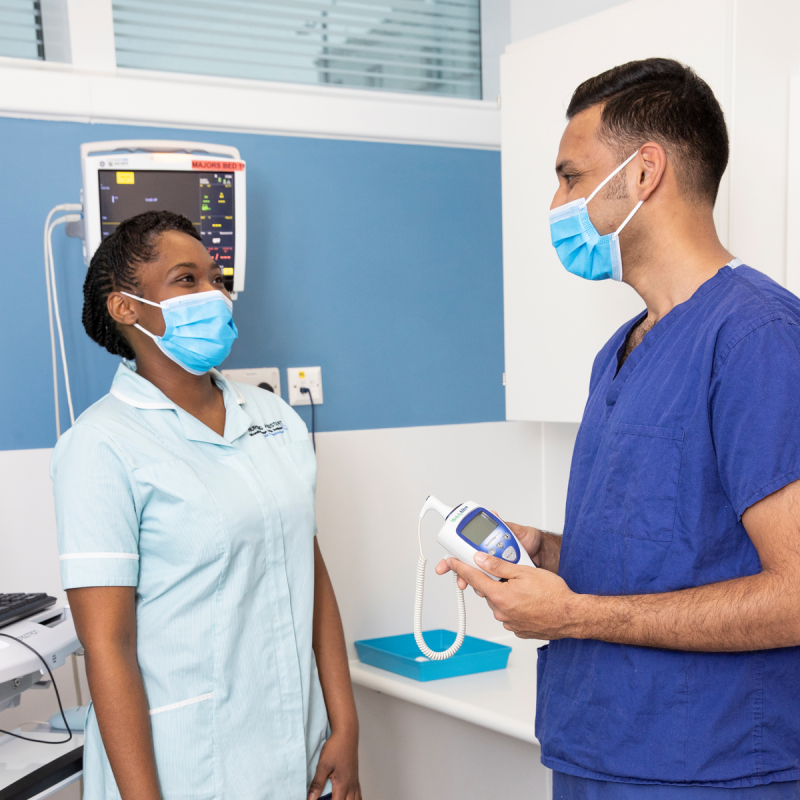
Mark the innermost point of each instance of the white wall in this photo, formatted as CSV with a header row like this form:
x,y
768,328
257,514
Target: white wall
x,y
530,17
766,51
413,753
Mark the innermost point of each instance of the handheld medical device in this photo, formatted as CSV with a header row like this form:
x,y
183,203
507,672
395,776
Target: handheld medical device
x,y
204,182
468,529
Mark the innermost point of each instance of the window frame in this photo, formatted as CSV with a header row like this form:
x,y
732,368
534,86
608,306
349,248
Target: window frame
x,y
91,88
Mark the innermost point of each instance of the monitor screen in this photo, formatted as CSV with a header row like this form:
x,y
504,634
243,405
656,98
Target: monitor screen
x,y
206,198
478,528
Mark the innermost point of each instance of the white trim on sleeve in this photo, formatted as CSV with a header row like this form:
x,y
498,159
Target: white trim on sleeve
x,y
70,556
182,703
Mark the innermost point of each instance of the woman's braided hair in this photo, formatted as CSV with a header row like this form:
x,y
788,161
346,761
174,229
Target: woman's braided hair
x,y
114,268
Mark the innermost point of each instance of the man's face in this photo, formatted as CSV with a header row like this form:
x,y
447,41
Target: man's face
x,y
583,162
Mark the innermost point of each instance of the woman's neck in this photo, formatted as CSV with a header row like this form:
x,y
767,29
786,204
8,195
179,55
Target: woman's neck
x,y
198,395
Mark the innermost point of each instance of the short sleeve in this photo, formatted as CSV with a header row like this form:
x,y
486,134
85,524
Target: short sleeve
x,y
755,413
96,511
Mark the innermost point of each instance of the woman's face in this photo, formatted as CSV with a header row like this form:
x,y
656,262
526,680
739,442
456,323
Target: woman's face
x,y
182,266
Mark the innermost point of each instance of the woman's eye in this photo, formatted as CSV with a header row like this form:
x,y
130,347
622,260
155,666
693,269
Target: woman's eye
x,y
188,278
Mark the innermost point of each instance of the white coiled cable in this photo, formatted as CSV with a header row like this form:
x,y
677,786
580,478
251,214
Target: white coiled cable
x,y
462,611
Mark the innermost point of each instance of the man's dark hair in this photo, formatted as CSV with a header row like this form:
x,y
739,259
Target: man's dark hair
x,y
663,101
114,268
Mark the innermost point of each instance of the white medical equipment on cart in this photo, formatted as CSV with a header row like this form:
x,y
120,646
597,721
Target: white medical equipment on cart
x,y
468,529
52,634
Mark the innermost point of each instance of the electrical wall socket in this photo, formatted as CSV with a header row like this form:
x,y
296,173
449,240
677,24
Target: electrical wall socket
x,y
308,377
255,377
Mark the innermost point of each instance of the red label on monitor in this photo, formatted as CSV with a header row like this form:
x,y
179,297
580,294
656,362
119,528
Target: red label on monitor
x,y
218,165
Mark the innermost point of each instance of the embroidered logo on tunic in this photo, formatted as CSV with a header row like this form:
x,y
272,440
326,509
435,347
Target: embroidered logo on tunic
x,y
272,429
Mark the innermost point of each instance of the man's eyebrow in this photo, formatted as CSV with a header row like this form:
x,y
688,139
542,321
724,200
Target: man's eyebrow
x,y
565,166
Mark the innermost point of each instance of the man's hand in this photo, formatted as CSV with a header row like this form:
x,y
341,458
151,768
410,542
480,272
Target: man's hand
x,y
530,538
339,762
544,549
532,603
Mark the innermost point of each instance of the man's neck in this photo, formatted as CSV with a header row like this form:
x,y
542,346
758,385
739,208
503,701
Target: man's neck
x,y
667,270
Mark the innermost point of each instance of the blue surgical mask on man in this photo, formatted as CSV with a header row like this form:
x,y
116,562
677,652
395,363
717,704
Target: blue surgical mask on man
x,y
199,330
580,248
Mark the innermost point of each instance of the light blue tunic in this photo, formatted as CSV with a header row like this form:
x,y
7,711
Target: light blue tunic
x,y
216,533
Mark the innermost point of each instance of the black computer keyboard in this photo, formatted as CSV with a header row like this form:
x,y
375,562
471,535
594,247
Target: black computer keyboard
x,y
19,606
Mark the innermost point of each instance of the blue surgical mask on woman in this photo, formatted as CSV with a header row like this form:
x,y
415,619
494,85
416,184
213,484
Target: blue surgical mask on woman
x,y
580,248
199,330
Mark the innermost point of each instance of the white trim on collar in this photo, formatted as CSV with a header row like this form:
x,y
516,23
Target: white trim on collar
x,y
139,403
144,404
735,262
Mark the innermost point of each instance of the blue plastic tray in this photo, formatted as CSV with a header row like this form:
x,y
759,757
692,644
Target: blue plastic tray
x,y
401,655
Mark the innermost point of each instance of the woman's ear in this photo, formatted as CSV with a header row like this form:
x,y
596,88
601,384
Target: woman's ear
x,y
122,309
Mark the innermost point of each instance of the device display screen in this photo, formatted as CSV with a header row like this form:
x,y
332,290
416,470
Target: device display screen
x,y
478,528
206,198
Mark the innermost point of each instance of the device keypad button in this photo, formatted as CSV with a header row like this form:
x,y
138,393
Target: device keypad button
x,y
509,554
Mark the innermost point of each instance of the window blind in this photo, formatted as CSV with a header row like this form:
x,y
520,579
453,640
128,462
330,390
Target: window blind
x,y
21,29
425,46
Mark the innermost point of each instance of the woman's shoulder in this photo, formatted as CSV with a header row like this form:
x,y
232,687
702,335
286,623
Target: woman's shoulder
x,y
96,429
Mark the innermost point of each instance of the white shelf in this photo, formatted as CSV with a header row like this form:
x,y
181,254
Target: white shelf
x,y
19,758
502,701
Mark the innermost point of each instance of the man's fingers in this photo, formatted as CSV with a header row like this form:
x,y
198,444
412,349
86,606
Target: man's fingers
x,y
496,566
442,567
474,577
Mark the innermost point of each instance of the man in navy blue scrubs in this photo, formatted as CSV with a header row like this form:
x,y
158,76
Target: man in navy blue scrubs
x,y
672,601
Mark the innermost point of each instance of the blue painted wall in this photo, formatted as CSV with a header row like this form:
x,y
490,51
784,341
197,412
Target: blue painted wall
x,y
381,263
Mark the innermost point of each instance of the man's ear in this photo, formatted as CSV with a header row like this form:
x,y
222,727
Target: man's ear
x,y
122,309
651,164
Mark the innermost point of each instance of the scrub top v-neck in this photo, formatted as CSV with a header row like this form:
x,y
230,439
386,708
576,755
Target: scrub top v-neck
x,y
216,533
699,423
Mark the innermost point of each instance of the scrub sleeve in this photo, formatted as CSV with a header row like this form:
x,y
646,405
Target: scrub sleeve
x,y
755,411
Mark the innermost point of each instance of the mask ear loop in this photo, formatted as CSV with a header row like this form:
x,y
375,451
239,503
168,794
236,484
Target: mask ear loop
x,y
603,183
628,219
136,324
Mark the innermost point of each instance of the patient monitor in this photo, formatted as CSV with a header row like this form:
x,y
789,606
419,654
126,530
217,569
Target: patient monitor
x,y
204,182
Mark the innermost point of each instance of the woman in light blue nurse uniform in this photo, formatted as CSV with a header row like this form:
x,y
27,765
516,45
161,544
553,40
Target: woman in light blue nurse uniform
x,y
185,507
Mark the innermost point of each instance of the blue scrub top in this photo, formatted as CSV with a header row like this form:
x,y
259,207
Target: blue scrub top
x,y
701,422
216,533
